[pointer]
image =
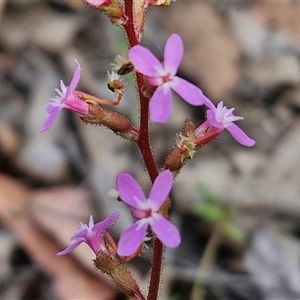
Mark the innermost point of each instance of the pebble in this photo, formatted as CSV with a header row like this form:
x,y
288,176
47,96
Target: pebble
x,y
55,32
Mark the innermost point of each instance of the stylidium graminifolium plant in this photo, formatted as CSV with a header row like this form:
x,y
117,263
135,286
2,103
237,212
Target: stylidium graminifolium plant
x,y
155,80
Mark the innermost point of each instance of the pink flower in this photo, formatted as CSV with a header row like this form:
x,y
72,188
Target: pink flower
x,y
97,3
163,76
93,235
146,211
66,98
218,119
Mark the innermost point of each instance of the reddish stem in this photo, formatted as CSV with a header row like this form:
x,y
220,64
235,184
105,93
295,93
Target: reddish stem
x,y
129,26
157,257
144,140
144,146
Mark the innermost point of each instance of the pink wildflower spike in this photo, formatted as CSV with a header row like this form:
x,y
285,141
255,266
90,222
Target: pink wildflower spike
x,y
218,119
66,98
146,211
163,75
92,234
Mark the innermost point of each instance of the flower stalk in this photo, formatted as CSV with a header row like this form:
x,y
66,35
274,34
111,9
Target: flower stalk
x,y
156,80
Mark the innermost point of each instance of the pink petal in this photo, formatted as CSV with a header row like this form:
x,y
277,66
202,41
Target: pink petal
x,y
161,188
161,105
131,239
211,116
96,3
173,53
239,135
144,61
208,103
91,222
70,248
80,233
165,231
188,91
129,190
50,120
52,106
75,80
109,221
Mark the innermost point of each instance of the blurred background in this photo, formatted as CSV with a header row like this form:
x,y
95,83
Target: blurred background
x,y
244,53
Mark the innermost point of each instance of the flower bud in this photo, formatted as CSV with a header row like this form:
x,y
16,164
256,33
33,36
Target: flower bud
x,y
119,274
115,84
185,148
111,119
173,161
188,127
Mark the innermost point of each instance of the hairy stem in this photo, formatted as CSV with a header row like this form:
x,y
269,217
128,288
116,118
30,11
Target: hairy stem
x,y
144,146
157,258
129,26
145,149
144,139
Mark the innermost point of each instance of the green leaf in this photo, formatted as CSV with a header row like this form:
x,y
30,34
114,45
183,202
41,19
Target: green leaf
x,y
206,194
208,212
230,213
234,232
